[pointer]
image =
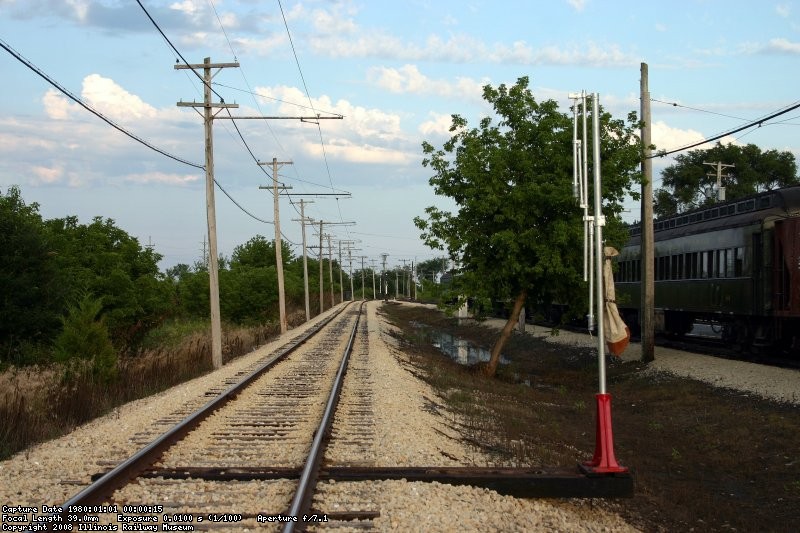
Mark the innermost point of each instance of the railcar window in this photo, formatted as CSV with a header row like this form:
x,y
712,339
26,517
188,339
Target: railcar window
x,y
714,213
738,263
703,265
750,205
740,207
729,268
764,202
637,270
731,209
675,270
711,264
706,215
683,220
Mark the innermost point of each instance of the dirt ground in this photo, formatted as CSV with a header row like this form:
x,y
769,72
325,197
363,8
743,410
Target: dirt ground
x,y
703,458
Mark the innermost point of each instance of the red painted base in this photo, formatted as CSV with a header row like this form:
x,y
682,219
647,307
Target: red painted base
x,y
603,461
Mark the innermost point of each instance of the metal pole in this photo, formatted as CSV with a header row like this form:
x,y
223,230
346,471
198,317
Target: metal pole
x,y
647,248
589,219
599,222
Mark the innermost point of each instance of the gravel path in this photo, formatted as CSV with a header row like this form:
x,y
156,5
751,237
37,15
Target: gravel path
x,y
779,384
407,432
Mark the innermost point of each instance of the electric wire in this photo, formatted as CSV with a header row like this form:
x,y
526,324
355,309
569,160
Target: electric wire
x,y
164,35
675,104
308,95
90,109
758,122
222,99
260,95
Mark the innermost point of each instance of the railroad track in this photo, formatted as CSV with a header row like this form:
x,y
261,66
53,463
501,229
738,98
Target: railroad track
x,y
265,453
244,458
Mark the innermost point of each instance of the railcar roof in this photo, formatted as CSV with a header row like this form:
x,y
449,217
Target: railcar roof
x,y
734,213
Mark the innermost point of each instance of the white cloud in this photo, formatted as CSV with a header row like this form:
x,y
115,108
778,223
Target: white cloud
x,y
161,177
438,125
80,8
106,96
362,153
56,105
783,10
103,95
578,5
353,41
661,27
336,22
408,79
666,137
363,135
47,175
782,45
188,7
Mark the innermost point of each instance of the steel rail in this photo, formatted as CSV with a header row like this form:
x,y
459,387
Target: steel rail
x,y
301,504
119,476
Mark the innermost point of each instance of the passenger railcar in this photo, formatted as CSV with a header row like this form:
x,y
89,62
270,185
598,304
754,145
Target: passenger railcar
x,y
735,265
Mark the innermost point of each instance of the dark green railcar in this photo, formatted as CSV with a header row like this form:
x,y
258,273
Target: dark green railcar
x,y
735,265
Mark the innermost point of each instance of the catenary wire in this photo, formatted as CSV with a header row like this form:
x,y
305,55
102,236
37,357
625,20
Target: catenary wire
x,y
87,107
758,122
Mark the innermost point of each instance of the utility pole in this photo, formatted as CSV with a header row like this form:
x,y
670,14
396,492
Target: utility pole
x,y
720,189
211,217
330,267
278,244
372,265
320,268
647,247
384,281
330,258
341,280
303,220
363,294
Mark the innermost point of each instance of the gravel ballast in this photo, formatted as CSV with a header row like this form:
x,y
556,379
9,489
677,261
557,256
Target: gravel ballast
x,y
407,432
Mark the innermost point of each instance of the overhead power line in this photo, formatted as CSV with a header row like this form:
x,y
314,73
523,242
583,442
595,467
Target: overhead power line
x,y
90,109
675,104
758,122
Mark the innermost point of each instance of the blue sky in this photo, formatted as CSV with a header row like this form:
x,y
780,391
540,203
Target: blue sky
x,y
395,70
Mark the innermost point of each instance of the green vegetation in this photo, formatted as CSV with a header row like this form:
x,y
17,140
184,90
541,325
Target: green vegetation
x,y
689,183
91,292
89,322
516,234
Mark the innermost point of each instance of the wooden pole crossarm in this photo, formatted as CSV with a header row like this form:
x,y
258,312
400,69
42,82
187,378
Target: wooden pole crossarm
x,y
302,119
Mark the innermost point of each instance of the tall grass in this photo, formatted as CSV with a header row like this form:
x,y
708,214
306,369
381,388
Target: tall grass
x,y
41,403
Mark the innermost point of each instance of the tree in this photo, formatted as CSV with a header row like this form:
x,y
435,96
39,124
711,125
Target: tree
x,y
33,289
85,336
259,252
688,183
517,232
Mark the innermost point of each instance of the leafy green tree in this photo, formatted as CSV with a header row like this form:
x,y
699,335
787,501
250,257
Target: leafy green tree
x,y
102,259
689,183
517,232
259,252
32,288
85,336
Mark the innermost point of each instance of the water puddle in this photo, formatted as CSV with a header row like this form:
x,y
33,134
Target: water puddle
x,y
459,350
